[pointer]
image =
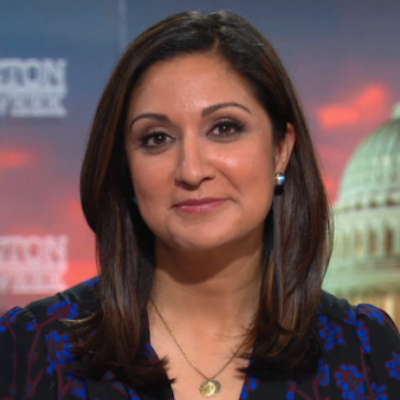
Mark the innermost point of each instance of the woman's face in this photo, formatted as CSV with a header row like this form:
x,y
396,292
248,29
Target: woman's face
x,y
201,154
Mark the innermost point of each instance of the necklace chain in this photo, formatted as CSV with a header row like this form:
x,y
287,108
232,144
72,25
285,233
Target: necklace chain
x,y
184,353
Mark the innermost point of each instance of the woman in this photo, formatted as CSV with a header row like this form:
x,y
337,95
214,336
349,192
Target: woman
x,y
212,227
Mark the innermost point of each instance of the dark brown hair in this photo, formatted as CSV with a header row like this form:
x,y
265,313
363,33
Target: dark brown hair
x,y
297,242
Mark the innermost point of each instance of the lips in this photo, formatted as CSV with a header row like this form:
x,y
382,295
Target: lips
x,y
198,206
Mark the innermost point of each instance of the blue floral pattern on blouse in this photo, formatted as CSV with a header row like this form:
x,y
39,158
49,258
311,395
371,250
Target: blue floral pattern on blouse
x,y
360,356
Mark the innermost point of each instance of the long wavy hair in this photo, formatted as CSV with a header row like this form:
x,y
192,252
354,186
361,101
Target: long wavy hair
x,y
297,238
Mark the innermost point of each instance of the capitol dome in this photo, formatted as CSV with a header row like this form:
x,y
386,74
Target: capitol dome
x,y
365,264
372,177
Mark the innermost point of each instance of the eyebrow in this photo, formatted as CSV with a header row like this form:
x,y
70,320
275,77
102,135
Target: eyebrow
x,y
158,117
207,111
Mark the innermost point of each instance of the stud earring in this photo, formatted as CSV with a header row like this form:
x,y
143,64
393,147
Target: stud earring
x,y
280,179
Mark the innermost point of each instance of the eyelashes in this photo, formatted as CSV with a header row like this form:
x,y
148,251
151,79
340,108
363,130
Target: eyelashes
x,y
227,128
223,130
155,140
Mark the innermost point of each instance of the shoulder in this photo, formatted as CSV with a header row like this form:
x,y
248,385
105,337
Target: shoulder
x,y
77,302
363,327
35,340
361,344
341,311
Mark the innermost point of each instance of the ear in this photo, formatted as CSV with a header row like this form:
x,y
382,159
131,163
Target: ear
x,y
284,149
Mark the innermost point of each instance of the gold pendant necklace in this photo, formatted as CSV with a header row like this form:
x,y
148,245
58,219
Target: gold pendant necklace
x,y
210,387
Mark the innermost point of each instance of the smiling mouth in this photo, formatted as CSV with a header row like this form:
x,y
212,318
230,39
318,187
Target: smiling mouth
x,y
199,206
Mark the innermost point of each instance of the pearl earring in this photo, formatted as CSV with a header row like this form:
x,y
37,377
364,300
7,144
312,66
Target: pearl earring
x,y
280,179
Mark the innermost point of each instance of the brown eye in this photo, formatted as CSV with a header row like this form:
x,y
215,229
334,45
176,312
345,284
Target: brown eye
x,y
227,129
159,139
156,140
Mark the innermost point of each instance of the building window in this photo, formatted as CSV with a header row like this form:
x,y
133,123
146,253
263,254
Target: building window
x,y
373,243
388,241
359,244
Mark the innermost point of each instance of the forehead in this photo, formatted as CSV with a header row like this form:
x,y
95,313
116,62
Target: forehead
x,y
189,78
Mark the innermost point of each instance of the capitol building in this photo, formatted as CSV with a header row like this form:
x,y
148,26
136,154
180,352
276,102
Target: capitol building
x,y
365,264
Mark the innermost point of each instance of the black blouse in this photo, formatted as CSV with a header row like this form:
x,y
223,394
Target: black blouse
x,y
360,358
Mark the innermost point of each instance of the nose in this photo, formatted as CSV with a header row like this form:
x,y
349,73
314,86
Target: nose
x,y
194,164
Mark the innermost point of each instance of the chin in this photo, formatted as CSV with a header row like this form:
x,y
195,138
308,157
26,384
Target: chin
x,y
214,235
197,245
217,241
196,241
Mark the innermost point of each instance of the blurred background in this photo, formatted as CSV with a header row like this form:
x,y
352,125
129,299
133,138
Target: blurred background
x,y
55,59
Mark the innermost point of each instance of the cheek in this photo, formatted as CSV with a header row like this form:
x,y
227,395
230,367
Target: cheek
x,y
252,168
147,179
150,189
255,174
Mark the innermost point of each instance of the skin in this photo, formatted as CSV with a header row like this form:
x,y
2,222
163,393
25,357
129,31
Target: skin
x,y
195,131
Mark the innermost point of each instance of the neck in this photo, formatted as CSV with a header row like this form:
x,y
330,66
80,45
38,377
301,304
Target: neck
x,y
219,286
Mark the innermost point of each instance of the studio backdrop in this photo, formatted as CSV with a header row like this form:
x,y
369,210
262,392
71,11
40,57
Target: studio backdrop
x,y
55,59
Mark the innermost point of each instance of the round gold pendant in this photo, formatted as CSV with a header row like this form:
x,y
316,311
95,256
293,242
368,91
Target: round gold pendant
x,y
210,388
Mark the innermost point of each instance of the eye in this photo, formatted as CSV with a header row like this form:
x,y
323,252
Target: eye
x,y
226,129
155,140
